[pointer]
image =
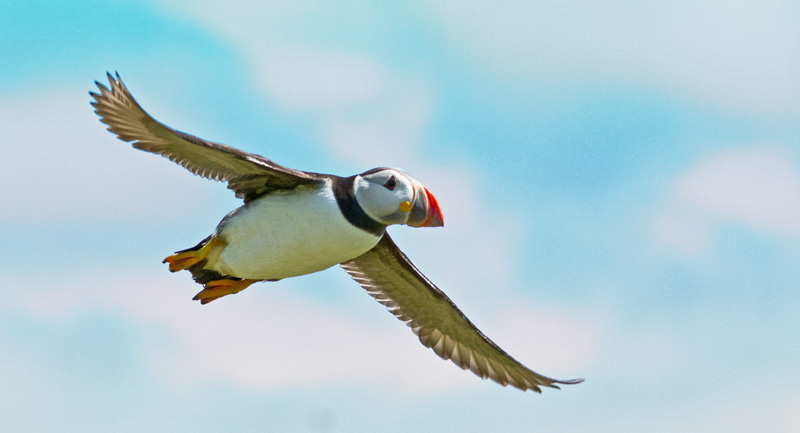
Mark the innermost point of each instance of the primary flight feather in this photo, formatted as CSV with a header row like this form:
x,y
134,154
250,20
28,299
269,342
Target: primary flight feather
x,y
294,223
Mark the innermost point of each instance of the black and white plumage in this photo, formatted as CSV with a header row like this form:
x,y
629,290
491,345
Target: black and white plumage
x,y
295,222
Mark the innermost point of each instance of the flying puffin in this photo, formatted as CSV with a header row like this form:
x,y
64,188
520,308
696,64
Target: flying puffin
x,y
295,222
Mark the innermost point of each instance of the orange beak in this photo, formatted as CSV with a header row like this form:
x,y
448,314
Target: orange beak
x,y
425,211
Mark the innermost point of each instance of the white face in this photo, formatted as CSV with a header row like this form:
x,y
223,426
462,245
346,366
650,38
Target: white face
x,y
386,195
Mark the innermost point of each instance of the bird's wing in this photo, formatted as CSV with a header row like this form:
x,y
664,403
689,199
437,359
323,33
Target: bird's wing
x,y
248,175
390,277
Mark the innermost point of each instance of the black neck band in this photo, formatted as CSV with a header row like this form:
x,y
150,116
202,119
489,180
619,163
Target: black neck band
x,y
344,192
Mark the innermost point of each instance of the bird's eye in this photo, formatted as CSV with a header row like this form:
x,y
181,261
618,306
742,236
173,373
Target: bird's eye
x,y
391,183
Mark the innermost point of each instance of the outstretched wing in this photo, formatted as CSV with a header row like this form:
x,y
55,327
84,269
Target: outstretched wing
x,y
390,277
248,175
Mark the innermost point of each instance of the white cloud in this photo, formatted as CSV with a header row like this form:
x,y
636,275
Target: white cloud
x,y
680,231
321,80
793,413
60,163
759,187
364,109
267,339
20,387
366,113
393,132
733,55
739,55
553,341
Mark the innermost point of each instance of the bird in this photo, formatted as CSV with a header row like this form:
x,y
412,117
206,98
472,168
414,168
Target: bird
x,y
295,223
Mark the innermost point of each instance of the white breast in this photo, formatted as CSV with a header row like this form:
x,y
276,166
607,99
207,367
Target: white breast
x,y
286,234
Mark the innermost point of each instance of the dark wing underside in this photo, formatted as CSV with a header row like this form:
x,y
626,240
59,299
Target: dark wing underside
x,y
248,175
390,277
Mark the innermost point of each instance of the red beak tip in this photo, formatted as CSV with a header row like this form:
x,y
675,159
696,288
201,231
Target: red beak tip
x,y
434,211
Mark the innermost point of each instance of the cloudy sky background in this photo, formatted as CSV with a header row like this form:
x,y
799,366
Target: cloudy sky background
x,y
620,183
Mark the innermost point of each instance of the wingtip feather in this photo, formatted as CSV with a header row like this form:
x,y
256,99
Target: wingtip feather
x,y
570,381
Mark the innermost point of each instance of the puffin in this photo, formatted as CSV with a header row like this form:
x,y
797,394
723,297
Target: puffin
x,y
295,223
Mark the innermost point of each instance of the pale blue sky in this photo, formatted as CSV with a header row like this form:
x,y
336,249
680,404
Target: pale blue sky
x,y
620,184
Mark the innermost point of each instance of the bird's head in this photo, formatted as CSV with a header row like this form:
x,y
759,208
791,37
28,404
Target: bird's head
x,y
390,196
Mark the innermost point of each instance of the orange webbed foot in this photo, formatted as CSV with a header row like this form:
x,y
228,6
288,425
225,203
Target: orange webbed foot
x,y
219,288
187,258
